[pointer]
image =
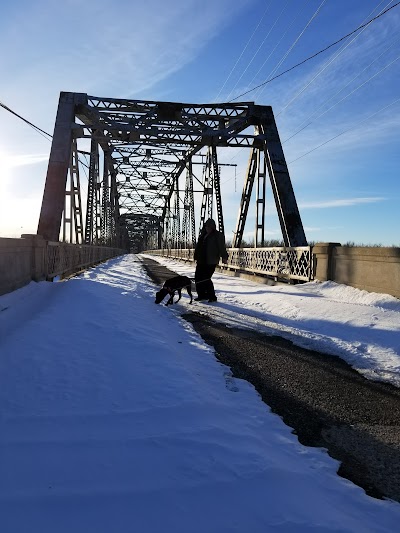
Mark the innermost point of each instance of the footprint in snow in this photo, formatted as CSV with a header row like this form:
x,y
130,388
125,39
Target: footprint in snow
x,y
230,383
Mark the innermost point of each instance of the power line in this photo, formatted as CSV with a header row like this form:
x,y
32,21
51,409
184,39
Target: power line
x,y
311,119
40,131
291,47
330,61
345,131
243,51
316,54
26,121
259,48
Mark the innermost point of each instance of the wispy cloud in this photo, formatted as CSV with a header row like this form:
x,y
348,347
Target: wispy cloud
x,y
344,202
143,50
23,160
346,100
364,70
118,51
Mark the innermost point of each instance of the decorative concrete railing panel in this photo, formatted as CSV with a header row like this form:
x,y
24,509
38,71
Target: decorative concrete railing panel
x,y
374,269
31,258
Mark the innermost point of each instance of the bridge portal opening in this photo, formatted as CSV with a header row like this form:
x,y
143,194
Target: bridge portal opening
x,y
123,172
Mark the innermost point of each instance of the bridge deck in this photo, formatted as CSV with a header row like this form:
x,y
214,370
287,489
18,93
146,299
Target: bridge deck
x,y
325,401
115,416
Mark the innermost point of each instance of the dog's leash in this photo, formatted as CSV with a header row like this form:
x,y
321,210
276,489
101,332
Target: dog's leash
x,y
201,281
171,291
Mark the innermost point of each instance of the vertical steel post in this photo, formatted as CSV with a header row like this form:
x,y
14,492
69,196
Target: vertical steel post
x,y
176,225
59,161
91,207
246,196
207,201
76,194
217,189
189,227
285,200
114,209
260,200
105,204
186,208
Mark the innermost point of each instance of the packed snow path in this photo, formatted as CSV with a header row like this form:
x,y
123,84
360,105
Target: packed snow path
x,y
115,416
328,404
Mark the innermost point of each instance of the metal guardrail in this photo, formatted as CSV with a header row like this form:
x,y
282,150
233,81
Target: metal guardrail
x,y
64,259
280,263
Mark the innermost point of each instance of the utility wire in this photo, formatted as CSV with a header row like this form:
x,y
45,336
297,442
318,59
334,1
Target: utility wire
x,y
366,23
291,47
303,126
26,121
349,94
316,54
287,53
345,131
259,48
330,61
41,132
243,51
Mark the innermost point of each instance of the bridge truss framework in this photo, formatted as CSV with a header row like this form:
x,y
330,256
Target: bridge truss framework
x,y
138,157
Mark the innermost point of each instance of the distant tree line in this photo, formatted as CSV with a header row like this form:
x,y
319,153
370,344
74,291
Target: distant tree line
x,y
272,243
276,243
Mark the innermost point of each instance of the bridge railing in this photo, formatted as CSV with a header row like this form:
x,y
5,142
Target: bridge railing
x,y
280,263
31,258
64,259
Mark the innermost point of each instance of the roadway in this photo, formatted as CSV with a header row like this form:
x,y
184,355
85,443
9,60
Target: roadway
x,y
325,401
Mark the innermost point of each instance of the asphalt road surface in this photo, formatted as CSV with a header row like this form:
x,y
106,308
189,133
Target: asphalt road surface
x,y
324,401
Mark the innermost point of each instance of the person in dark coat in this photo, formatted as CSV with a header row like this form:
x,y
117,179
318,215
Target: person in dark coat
x,y
209,250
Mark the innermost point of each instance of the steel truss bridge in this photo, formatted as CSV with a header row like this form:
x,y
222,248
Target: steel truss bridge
x,y
136,159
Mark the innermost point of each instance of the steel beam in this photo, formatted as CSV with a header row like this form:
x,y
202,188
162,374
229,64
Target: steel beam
x,y
260,199
146,146
56,179
217,189
285,200
245,199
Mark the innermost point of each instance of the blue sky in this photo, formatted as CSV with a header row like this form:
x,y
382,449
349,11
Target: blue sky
x,y
214,50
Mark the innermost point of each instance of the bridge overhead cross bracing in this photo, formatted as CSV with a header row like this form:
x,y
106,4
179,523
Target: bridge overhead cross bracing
x,y
139,154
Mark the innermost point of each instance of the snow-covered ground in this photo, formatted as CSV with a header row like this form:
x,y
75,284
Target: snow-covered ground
x,y
116,417
361,327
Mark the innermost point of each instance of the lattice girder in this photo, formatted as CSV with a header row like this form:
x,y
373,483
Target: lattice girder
x,y
148,146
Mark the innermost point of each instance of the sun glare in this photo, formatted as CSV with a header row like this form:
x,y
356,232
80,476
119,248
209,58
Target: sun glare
x,y
18,210
4,164
10,225
4,175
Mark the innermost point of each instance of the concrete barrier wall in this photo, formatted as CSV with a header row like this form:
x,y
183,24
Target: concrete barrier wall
x,y
31,258
371,269
18,259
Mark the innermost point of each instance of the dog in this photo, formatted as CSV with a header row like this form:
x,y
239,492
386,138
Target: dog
x,y
173,285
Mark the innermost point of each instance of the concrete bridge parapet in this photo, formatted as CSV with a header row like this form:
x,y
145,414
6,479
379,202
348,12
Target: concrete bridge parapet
x,y
322,256
33,258
21,261
374,269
